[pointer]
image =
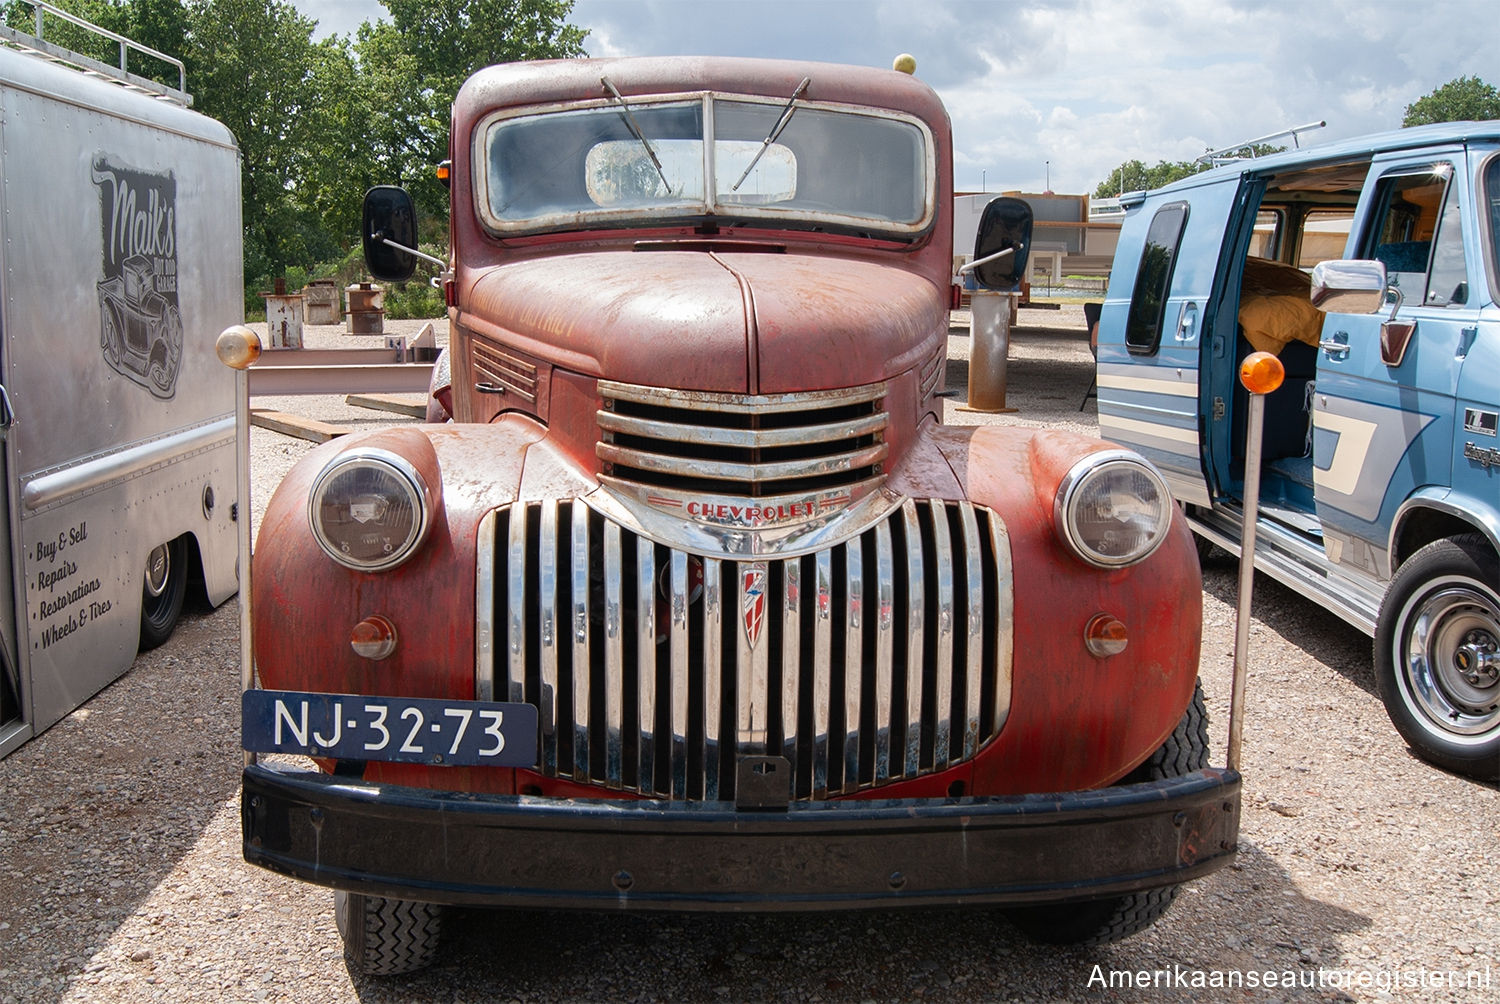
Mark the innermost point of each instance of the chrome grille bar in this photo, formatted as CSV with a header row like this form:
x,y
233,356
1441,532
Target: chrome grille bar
x,y
884,657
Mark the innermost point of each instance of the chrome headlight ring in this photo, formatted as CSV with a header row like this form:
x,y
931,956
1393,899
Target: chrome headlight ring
x,y
1113,509
370,509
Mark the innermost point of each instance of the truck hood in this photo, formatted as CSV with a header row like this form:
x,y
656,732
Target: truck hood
x,y
715,320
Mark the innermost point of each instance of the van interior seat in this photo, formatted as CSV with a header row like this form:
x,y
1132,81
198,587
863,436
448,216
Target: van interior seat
x,y
1404,256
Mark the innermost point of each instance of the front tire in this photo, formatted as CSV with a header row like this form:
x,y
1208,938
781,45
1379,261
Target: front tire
x,y
387,937
163,592
1100,921
1437,655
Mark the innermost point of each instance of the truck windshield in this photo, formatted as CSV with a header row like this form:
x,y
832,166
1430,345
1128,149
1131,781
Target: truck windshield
x,y
643,163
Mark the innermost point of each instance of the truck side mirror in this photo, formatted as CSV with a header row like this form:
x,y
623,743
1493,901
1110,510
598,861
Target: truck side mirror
x,y
1004,226
1348,286
389,230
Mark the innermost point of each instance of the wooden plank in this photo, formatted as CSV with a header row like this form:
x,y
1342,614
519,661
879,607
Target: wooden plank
x,y
401,404
295,425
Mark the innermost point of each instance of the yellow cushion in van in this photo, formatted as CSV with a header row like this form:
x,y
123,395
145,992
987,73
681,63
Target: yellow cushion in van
x,y
1270,321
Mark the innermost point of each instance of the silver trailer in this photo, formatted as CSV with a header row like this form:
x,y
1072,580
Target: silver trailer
x,y
119,264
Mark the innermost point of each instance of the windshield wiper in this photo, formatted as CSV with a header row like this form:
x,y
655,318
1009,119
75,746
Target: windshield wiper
x,y
636,130
786,116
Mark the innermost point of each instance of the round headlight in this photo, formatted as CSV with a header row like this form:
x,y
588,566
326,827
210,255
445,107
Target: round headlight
x,y
369,509
1113,509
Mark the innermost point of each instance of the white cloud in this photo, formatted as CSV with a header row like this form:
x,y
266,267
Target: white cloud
x,y
1084,84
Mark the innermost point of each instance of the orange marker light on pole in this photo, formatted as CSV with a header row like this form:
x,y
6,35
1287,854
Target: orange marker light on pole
x,y
1260,373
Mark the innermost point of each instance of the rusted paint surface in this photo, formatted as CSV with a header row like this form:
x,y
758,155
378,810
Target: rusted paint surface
x,y
1078,721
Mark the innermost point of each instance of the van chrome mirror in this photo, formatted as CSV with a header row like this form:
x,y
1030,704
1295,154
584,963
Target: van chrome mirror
x,y
389,231
1004,226
1348,286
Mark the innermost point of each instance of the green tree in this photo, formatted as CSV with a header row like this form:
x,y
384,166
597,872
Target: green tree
x,y
1134,176
1461,99
414,64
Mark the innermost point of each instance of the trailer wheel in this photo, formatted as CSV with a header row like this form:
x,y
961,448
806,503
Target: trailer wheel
x,y
1437,655
386,937
163,593
1099,921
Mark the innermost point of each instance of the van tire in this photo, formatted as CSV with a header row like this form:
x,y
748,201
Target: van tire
x,y
163,592
1437,655
1100,921
387,937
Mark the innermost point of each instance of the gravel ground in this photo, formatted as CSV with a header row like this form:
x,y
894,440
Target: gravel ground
x,y
1362,871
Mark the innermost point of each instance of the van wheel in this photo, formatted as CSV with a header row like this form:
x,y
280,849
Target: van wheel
x,y
386,937
1437,655
1099,921
161,598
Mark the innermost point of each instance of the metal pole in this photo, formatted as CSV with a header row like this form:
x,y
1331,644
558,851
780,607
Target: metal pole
x,y
1260,373
989,347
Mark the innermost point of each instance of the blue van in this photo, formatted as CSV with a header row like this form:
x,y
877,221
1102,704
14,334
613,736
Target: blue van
x,y
1370,268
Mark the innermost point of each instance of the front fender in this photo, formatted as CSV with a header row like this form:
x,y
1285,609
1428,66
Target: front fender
x,y
1077,720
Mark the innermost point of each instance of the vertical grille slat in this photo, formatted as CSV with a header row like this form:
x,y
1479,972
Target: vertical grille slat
x,y
881,658
578,625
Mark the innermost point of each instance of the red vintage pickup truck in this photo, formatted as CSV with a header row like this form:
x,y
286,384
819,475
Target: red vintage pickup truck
x,y
689,600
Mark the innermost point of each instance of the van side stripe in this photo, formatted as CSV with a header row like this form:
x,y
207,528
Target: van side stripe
x,y
1152,429
1146,385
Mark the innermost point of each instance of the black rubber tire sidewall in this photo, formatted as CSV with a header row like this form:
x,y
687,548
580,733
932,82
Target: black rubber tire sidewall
x,y
159,614
1466,556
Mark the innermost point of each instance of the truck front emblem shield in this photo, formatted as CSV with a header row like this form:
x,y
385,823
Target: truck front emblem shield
x,y
754,583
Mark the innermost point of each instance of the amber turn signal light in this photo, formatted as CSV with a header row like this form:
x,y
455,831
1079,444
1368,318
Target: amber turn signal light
x,y
374,637
237,347
1105,636
1261,373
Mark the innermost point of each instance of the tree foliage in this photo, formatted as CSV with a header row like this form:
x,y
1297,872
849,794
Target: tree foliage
x,y
1461,99
318,121
1135,176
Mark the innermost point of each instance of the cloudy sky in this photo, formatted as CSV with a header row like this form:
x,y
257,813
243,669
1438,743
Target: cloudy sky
x,y
1062,91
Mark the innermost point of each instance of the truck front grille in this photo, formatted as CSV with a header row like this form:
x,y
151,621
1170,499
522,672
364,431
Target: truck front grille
x,y
883,658
738,444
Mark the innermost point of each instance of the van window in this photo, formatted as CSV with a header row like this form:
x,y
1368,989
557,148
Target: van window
x,y
1265,241
1153,279
1324,234
1492,213
1448,285
1404,228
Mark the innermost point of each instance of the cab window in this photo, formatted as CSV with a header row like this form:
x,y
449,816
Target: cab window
x,y
1153,279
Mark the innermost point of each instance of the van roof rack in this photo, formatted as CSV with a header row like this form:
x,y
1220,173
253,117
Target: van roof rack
x,y
37,45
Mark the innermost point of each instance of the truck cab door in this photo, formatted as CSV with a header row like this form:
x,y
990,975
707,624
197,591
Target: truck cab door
x,y
1384,399
1153,329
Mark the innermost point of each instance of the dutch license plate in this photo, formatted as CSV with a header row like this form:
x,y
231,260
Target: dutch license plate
x,y
400,729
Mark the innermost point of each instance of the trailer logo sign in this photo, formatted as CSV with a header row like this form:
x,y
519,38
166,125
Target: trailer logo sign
x,y
140,323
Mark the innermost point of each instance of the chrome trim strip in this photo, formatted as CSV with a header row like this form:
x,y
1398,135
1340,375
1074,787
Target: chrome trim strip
x,y
942,745
973,630
916,639
484,609
579,630
791,650
614,657
822,670
681,733
44,489
743,404
515,591
1003,612
645,612
723,470
750,439
885,577
548,631
854,585
713,668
